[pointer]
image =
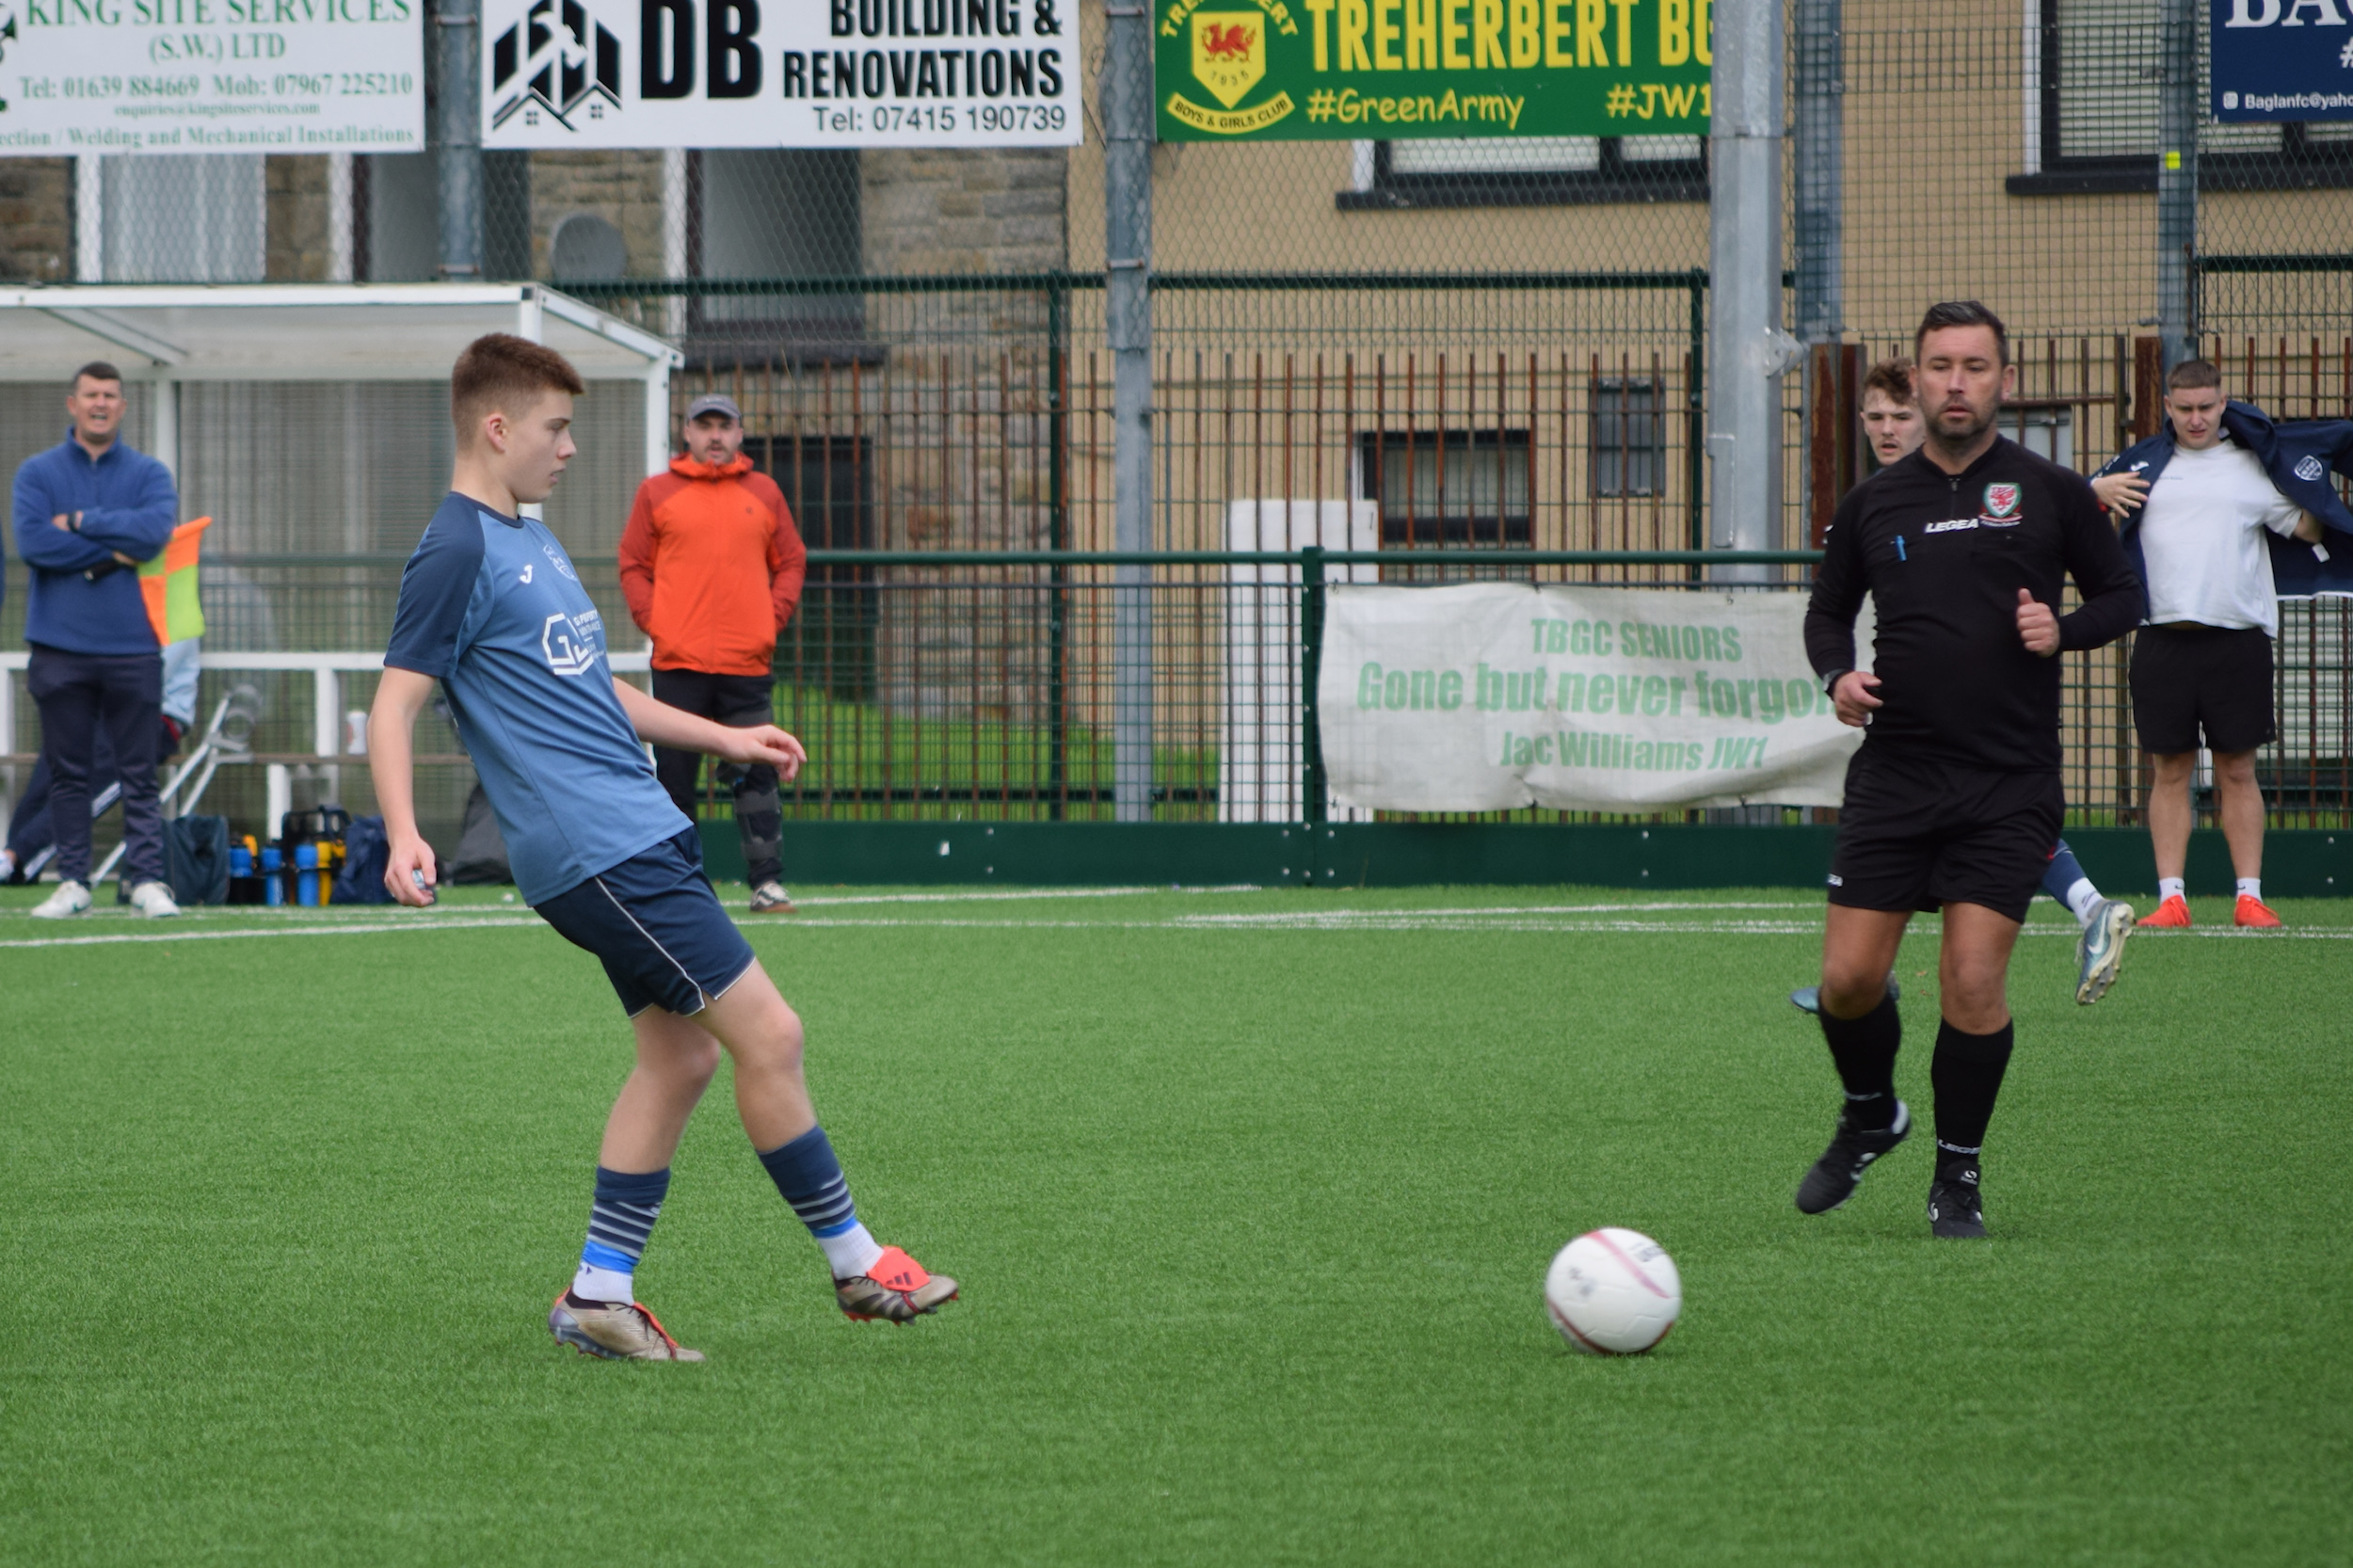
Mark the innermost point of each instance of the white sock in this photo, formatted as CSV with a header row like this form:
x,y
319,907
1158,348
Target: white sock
x,y
2083,898
2169,887
603,1285
852,1253
2252,887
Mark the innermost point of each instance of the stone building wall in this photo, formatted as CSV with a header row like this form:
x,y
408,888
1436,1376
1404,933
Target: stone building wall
x,y
299,245
622,188
37,219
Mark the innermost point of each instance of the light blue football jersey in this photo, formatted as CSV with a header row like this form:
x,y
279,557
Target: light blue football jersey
x,y
491,607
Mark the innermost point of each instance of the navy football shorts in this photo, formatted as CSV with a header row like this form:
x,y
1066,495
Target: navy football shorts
x,y
657,927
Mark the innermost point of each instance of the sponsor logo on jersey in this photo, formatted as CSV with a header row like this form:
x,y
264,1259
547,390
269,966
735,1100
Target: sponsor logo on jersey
x,y
525,577
572,643
2310,469
1950,525
1837,880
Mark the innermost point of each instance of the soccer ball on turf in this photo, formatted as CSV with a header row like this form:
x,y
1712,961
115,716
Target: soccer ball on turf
x,y
1613,1292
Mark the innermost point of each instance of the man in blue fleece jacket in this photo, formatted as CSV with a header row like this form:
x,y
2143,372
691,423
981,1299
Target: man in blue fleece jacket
x,y
88,511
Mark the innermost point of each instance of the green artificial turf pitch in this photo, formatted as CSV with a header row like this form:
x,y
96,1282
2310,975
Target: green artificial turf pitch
x,y
1252,1194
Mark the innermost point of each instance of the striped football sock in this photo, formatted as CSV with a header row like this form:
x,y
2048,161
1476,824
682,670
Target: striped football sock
x,y
810,1180
619,1222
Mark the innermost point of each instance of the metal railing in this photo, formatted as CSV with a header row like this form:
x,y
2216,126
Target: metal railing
x,y
982,684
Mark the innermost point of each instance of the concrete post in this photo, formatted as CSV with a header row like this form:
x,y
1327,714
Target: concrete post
x,y
1127,253
2177,182
1748,351
457,135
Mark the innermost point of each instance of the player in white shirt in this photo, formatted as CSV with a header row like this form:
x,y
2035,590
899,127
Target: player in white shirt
x,y
2201,662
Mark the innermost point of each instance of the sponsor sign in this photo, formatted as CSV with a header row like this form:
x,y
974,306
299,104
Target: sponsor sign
x,y
2280,59
598,73
1388,70
107,76
1487,697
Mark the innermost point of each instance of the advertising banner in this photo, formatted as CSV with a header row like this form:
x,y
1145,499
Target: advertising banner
x,y
1388,70
594,74
2280,59
211,77
1492,695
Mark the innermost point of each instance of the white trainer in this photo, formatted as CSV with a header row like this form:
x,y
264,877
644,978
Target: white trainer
x,y
155,901
71,898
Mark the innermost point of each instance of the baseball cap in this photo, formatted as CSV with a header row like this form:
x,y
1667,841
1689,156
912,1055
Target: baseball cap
x,y
713,403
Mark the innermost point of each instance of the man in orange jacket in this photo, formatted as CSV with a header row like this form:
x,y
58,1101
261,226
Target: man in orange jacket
x,y
712,568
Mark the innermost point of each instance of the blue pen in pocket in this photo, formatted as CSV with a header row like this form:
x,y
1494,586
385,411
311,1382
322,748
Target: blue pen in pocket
x,y
1899,549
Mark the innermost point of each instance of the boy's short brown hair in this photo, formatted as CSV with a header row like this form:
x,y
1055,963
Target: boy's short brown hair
x,y
2192,374
1892,379
501,371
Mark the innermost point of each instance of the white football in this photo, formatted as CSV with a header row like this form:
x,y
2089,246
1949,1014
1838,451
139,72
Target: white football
x,y
1613,1292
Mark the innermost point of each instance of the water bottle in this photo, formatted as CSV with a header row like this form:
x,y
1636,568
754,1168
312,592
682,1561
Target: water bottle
x,y
307,875
240,860
273,884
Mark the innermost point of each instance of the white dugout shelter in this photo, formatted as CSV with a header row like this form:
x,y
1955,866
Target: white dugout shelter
x,y
311,422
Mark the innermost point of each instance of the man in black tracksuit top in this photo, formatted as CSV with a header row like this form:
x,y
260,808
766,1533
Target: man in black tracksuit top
x,y
1955,799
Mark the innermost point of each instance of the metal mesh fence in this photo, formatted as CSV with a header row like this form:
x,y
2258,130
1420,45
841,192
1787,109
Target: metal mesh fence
x,y
1491,344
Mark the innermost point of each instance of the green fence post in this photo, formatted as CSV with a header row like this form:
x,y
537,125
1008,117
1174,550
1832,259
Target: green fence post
x,y
1058,539
1695,418
1310,667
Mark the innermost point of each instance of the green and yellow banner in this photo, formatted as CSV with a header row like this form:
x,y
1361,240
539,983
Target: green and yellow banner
x,y
1388,69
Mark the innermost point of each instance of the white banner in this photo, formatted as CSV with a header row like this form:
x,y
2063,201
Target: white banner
x,y
1491,696
593,73
80,76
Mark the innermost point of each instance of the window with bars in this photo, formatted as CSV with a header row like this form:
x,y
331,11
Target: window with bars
x,y
1450,489
1628,455
1503,171
2095,84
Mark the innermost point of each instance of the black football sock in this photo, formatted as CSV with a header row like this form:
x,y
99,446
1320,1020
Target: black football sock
x,y
1865,1050
1967,1072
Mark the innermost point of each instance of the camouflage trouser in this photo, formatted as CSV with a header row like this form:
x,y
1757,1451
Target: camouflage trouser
x,y
733,699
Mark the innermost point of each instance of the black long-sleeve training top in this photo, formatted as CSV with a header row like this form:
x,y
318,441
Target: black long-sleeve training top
x,y
1942,557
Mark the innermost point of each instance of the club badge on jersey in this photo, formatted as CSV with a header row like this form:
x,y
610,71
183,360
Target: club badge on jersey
x,y
2001,505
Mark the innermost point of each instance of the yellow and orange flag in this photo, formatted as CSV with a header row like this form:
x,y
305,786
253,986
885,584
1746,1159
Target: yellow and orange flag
x,y
168,585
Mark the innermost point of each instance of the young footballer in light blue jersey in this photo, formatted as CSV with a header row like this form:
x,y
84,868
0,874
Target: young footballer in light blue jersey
x,y
492,608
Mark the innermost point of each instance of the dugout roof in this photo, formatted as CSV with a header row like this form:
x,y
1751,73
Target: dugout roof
x,y
164,333
306,331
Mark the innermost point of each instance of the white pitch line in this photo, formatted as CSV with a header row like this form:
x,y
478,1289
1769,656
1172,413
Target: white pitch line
x,y
1399,920
321,929
1017,896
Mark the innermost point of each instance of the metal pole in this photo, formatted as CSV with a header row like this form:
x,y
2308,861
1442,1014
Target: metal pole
x,y
1127,289
458,150
2177,183
1817,166
1749,350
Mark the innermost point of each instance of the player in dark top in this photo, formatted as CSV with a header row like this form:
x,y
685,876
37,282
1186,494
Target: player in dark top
x,y
1955,799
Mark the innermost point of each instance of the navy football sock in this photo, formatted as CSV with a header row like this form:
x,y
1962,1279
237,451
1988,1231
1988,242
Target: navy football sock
x,y
810,1180
620,1221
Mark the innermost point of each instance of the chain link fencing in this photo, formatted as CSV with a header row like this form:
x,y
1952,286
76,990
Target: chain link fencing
x,y
1489,344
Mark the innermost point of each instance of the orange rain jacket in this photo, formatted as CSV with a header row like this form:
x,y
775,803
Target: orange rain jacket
x,y
711,566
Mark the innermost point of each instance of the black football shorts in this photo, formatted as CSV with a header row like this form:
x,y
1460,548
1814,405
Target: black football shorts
x,y
2187,677
1915,834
